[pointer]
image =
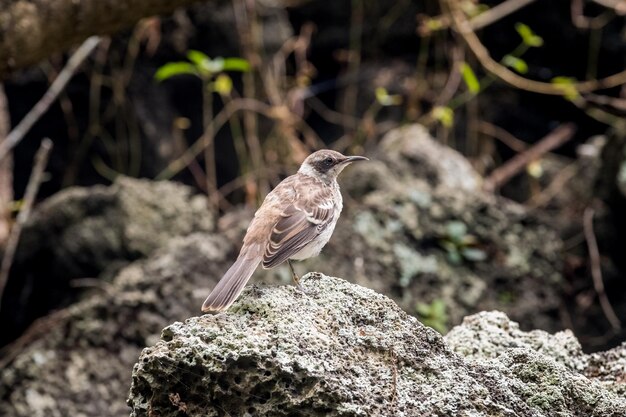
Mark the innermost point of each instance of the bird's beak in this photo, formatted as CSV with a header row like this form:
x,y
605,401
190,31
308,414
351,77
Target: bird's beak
x,y
351,159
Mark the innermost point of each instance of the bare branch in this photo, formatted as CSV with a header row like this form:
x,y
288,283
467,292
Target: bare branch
x,y
498,12
464,28
618,5
6,173
49,97
513,166
596,269
41,160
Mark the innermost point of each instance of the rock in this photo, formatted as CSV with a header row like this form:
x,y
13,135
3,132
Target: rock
x,y
85,232
78,361
484,337
344,350
88,228
420,156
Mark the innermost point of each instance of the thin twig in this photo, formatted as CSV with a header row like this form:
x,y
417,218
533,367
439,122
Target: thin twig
x,y
17,134
583,22
502,135
216,124
40,162
513,166
454,79
596,269
498,12
464,28
6,173
555,186
618,5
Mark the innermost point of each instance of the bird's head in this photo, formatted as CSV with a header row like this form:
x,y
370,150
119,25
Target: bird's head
x,y
326,164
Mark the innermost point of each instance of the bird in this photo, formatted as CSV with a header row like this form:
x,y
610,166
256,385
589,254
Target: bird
x,y
294,222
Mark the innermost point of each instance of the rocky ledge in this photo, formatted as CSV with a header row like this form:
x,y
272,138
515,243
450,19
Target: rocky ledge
x,y
344,350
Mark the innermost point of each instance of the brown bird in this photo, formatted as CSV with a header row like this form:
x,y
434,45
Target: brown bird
x,y
295,221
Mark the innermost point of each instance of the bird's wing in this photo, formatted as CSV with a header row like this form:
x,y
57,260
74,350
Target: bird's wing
x,y
303,220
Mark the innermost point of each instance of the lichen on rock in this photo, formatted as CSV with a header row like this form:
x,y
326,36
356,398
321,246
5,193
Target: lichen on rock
x,y
344,350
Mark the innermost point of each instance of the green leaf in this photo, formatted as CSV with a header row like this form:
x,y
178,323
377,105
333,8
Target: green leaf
x,y
566,84
474,254
223,85
470,78
456,230
528,36
422,309
516,63
448,245
438,308
175,68
199,58
235,64
454,257
444,115
385,99
433,315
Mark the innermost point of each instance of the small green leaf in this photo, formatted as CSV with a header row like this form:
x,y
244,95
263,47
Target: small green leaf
x,y
454,257
567,84
470,78
528,36
199,58
516,63
474,254
433,315
235,64
434,24
175,68
444,115
386,99
456,230
438,308
563,80
223,85
422,309
535,169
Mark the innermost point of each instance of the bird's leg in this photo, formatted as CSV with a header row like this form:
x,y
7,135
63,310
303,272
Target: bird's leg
x,y
295,277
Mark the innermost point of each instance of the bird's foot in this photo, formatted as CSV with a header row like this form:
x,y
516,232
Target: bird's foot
x,y
296,280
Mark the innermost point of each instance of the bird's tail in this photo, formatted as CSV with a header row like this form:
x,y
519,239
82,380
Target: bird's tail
x,y
230,286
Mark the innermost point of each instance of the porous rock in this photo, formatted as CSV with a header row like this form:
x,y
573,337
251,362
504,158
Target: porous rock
x,y
343,350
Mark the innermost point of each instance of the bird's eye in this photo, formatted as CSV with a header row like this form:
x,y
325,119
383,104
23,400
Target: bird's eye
x,y
328,161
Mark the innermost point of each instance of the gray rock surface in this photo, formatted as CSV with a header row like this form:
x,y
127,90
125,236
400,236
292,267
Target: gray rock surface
x,y
93,232
85,229
78,361
484,337
344,350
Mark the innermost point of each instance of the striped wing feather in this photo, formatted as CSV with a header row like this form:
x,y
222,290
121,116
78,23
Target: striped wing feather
x,y
298,225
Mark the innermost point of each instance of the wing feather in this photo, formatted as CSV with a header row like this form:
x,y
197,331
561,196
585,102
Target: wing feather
x,y
300,223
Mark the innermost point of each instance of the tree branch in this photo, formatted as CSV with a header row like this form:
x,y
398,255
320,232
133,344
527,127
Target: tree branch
x,y
49,97
36,177
596,269
31,30
515,165
464,28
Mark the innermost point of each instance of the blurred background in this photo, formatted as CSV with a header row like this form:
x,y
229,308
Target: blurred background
x,y
496,130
